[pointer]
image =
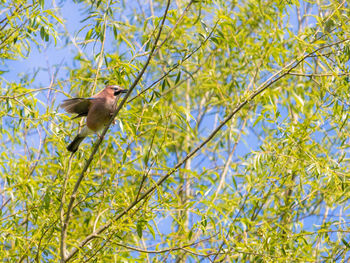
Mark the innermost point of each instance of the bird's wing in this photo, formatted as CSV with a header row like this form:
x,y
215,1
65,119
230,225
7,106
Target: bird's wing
x,y
79,106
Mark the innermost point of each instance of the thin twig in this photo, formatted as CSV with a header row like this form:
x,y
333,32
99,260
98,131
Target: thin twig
x,y
319,74
100,58
228,232
175,26
28,92
63,248
163,250
229,159
177,64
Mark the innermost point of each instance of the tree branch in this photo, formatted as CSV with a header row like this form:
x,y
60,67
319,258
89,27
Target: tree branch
x,y
272,80
318,74
99,141
163,250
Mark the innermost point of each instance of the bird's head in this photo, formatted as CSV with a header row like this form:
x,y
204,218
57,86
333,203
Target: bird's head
x,y
116,90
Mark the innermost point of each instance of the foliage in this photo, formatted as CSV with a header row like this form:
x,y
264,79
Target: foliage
x,y
233,146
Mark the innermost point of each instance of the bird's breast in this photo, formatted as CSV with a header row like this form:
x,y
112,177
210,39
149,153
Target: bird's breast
x,y
99,115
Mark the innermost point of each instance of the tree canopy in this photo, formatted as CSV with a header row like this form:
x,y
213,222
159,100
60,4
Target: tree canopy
x,y
232,144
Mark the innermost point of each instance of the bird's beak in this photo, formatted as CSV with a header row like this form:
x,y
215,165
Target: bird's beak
x,y
119,91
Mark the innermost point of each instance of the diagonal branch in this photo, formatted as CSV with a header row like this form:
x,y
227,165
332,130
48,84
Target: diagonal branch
x,y
99,141
272,80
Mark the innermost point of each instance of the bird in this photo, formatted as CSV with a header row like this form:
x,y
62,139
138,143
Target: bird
x,y
98,111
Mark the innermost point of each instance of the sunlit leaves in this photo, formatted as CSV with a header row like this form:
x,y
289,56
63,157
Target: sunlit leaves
x,y
288,147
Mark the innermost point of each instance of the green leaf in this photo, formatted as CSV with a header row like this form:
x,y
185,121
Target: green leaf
x,y
139,227
345,243
204,26
42,3
146,157
164,84
151,230
88,34
115,32
42,33
124,156
178,77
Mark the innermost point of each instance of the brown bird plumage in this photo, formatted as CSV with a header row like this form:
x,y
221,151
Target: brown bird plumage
x,y
98,110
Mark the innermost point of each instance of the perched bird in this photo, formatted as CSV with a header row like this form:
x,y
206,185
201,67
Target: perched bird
x,y
98,110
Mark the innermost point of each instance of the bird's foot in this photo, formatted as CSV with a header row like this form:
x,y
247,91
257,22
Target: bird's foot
x,y
113,122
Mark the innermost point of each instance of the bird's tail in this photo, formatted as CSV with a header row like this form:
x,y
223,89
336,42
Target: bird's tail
x,y
74,145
